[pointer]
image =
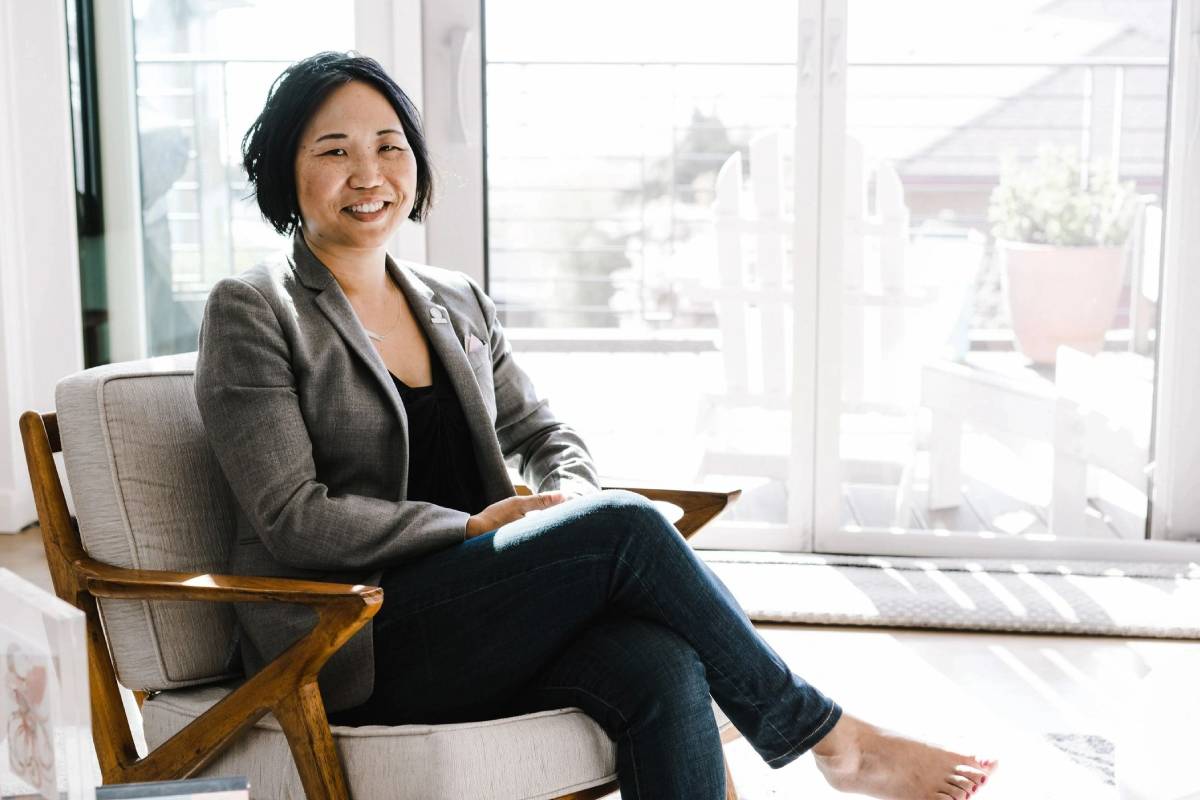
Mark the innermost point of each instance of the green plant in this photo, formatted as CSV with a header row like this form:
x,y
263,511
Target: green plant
x,y
1051,201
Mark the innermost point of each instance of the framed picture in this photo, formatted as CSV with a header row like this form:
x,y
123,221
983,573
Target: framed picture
x,y
45,712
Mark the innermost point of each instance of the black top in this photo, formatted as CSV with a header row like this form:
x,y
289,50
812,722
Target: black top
x,y
441,458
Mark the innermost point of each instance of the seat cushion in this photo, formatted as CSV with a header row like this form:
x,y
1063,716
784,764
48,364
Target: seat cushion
x,y
150,495
541,755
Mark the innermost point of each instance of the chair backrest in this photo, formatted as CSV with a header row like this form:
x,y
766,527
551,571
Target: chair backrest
x,y
149,495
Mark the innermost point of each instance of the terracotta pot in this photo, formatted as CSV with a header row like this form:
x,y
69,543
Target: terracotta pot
x,y
1060,296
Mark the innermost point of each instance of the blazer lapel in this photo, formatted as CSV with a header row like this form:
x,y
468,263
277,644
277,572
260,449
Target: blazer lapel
x,y
333,303
443,338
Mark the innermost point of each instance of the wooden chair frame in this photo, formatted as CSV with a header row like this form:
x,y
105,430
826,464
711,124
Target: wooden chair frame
x,y
287,686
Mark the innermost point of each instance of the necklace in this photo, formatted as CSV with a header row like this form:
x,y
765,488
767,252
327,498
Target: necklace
x,y
379,337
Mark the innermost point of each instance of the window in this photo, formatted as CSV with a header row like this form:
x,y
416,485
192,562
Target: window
x,y
176,207
870,144
999,259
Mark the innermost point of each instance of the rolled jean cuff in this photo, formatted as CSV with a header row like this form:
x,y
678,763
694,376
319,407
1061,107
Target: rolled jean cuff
x,y
828,720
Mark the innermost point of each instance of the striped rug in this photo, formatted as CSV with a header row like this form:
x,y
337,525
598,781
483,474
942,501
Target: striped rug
x,y
1094,598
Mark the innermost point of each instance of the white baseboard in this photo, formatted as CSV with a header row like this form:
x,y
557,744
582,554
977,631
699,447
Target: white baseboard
x,y
16,510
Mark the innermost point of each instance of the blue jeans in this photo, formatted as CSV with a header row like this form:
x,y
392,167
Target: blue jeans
x,y
599,604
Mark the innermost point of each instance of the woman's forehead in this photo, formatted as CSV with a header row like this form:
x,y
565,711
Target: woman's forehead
x,y
354,107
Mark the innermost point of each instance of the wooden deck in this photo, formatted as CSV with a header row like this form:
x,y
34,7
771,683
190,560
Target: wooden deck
x,y
984,508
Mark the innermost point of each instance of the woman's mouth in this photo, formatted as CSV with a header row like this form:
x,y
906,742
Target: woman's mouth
x,y
367,212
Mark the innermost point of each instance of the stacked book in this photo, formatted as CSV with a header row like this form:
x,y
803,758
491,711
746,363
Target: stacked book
x,y
201,789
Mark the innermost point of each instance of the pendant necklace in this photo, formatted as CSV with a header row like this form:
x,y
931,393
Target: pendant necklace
x,y
379,337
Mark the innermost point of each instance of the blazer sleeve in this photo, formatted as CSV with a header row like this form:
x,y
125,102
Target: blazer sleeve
x,y
247,393
550,455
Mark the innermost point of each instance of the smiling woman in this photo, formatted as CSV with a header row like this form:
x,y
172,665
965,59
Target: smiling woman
x,y
288,131
363,409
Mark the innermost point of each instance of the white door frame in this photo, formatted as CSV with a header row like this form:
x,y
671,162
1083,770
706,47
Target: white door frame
x,y
124,265
454,124
1175,503
827,310
808,349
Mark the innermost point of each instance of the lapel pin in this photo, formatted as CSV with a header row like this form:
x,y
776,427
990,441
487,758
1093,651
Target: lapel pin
x,y
436,315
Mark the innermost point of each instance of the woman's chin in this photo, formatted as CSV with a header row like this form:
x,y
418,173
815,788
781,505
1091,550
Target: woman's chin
x,y
364,238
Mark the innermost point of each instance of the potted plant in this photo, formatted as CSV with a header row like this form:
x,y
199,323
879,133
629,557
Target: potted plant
x,y
1060,234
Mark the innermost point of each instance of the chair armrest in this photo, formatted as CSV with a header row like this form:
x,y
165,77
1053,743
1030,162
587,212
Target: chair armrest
x,y
105,580
287,685
699,506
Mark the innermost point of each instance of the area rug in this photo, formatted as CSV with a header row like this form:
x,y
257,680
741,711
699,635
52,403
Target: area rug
x,y
1095,598
1089,751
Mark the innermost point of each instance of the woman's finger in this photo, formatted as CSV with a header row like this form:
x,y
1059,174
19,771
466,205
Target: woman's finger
x,y
538,502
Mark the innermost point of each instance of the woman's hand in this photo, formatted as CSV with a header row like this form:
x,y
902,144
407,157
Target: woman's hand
x,y
509,510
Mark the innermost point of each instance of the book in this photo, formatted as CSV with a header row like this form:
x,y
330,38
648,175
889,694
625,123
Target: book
x,y
197,789
45,720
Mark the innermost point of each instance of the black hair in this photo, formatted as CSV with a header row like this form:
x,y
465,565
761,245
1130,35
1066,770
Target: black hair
x,y
269,146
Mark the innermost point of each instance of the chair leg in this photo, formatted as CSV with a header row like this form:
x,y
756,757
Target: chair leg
x,y
302,717
730,789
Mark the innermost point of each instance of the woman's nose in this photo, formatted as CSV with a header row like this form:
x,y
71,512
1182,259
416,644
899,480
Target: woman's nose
x,y
365,173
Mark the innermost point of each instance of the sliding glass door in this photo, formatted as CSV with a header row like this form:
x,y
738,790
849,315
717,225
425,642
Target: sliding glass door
x,y
990,225
178,85
894,270
620,150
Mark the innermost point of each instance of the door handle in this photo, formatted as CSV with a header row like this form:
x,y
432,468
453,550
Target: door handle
x,y
836,41
459,40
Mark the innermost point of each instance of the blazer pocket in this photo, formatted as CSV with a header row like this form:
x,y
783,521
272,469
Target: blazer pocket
x,y
480,359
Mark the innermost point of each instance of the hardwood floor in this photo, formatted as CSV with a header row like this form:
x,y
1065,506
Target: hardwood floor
x,y
22,553
1004,696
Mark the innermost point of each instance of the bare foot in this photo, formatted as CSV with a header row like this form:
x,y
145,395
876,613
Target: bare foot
x,y
860,758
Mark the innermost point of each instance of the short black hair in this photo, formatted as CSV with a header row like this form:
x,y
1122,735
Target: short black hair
x,y
270,145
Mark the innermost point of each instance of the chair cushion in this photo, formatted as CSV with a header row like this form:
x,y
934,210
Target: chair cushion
x,y
150,495
541,755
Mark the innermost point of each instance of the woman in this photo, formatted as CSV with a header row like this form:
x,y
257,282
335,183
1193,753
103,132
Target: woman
x,y
362,410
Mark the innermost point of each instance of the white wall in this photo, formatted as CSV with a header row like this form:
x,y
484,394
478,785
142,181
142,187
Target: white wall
x,y
40,326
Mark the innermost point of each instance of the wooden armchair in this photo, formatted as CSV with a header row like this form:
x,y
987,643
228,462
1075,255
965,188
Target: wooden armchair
x,y
154,520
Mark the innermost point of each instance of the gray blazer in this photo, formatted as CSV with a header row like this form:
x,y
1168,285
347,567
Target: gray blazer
x,y
311,435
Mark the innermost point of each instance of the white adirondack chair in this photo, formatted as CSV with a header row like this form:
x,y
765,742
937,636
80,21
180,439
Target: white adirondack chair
x,y
752,301
753,298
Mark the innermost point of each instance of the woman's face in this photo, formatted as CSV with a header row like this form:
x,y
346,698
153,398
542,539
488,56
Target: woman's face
x,y
356,176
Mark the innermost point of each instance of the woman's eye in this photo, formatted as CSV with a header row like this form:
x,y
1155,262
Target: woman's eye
x,y
388,147
337,151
